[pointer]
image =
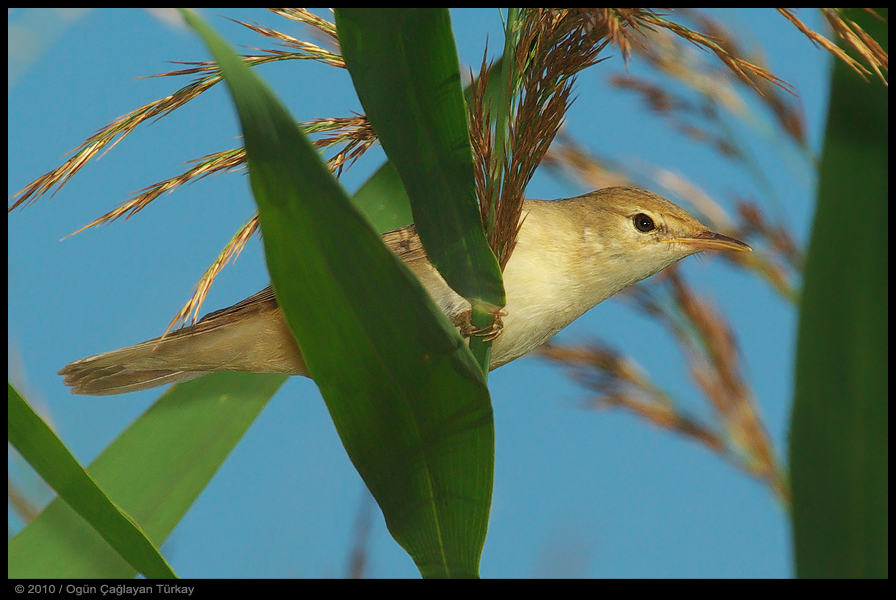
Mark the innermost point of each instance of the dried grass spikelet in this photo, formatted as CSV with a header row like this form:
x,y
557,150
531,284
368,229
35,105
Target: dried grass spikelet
x,y
716,370
300,48
628,26
736,431
303,15
864,45
620,383
568,156
354,133
208,76
782,103
212,164
106,138
754,223
715,85
189,313
552,46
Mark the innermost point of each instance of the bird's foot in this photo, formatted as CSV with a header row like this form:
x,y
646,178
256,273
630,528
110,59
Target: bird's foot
x,y
490,332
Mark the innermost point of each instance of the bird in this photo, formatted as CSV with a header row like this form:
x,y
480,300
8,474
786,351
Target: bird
x,y
570,255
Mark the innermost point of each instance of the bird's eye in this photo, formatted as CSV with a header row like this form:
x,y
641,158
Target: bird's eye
x,y
643,223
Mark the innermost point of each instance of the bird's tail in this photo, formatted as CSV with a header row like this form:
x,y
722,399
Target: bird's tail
x,y
127,370
247,337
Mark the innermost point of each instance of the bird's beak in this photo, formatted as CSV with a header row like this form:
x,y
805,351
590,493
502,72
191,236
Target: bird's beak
x,y
709,240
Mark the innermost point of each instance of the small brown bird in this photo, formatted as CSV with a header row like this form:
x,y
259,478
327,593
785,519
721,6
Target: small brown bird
x,y
570,255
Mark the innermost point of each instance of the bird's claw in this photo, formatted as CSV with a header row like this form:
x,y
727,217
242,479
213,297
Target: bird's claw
x,y
490,332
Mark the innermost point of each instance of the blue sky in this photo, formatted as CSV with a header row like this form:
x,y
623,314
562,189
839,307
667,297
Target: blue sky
x,y
577,492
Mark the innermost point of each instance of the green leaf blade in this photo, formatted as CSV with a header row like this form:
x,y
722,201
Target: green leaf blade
x,y
839,440
404,65
154,471
37,443
407,399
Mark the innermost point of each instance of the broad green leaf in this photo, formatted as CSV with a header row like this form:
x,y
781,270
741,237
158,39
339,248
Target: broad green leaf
x,y
404,65
154,471
405,394
840,426
36,442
